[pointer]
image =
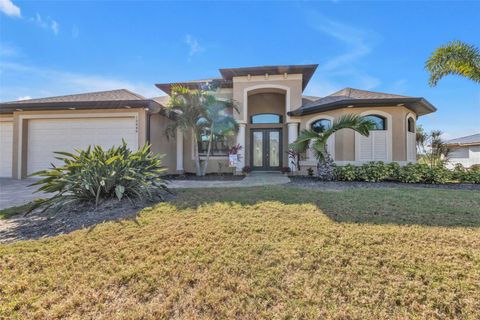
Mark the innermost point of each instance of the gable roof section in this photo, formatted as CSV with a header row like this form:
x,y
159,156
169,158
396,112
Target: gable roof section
x,y
306,70
228,74
195,84
474,139
363,98
121,98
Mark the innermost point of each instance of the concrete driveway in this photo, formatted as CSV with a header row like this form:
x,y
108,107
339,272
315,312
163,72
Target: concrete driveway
x,y
16,192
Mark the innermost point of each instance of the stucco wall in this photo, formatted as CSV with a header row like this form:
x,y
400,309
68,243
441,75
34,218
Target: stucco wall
x,y
345,139
291,85
160,143
216,164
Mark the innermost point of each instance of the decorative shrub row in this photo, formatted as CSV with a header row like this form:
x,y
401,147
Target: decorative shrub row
x,y
410,173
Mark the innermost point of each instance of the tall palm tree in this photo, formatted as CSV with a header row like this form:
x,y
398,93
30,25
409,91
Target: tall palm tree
x,y
202,112
456,58
318,141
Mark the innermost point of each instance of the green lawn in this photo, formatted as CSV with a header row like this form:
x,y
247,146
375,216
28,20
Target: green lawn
x,y
266,252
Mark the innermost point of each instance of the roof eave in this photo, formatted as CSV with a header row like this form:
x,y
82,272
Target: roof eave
x,y
366,103
152,106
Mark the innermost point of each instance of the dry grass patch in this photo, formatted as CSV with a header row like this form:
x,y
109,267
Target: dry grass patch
x,y
272,252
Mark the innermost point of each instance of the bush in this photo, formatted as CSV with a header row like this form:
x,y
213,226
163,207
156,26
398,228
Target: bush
x,y
97,174
470,175
346,173
286,170
310,172
412,173
246,169
393,169
437,175
372,172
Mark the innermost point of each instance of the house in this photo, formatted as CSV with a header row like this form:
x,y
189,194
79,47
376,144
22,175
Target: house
x,y
464,150
272,111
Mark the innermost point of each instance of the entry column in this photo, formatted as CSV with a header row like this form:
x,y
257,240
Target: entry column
x,y
179,136
292,136
241,152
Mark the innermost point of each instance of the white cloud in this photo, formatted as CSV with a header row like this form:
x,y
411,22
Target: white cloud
x,y
24,98
38,82
47,23
194,45
8,8
54,26
342,70
7,50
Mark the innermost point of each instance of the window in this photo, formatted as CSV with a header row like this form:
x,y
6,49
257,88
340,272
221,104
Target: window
x,y
219,145
411,125
266,118
321,125
380,123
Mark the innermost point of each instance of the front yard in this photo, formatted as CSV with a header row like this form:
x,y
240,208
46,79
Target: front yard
x,y
264,252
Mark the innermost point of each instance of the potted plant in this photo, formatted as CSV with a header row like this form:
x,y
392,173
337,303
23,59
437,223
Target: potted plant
x,y
246,170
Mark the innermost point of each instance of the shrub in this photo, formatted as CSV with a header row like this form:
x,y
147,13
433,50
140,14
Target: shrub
x,y
393,169
97,174
346,173
310,172
286,170
437,175
246,169
473,175
372,172
412,173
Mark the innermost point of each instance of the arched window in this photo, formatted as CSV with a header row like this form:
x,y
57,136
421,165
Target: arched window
x,y
379,121
321,125
411,125
266,118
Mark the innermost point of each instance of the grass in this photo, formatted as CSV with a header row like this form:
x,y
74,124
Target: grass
x,y
266,252
13,211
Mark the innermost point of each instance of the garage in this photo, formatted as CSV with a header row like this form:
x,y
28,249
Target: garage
x,y
66,134
6,148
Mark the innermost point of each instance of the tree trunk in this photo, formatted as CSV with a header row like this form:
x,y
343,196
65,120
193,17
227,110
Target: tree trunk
x,y
326,168
196,155
209,148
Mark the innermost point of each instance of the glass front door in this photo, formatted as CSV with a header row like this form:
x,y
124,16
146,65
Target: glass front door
x,y
266,149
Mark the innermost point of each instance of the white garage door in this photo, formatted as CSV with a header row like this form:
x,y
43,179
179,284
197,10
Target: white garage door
x,y
6,145
48,135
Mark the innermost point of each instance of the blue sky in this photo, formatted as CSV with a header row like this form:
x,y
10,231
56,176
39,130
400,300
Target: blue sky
x,y
62,47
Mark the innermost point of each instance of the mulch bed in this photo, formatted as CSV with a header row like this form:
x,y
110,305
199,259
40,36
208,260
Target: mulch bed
x,y
312,182
208,177
38,225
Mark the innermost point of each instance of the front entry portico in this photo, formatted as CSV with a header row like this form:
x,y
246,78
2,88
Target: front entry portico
x,y
266,149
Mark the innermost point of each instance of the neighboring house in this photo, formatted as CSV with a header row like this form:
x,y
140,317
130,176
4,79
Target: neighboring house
x,y
464,150
272,111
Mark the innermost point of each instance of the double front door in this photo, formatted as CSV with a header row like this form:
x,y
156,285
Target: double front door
x,y
266,149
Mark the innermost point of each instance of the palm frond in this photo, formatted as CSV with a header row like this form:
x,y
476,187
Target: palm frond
x,y
454,58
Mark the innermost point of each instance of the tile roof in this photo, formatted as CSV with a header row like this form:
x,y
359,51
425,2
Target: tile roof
x,y
473,139
350,96
111,95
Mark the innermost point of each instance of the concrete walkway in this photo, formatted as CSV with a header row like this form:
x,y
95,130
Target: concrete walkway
x,y
252,180
17,192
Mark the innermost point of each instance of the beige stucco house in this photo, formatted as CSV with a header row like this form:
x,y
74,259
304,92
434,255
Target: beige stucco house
x,y
272,111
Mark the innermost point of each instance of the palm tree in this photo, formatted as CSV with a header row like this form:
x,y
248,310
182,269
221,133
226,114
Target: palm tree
x,y
457,58
202,112
318,141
